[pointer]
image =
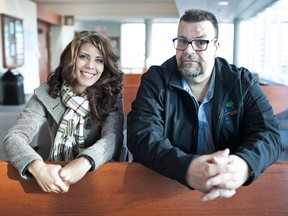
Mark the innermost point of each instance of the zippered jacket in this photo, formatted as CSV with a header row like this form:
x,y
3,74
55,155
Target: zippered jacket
x,y
162,127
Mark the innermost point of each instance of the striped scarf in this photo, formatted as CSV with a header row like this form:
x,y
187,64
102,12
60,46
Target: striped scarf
x,y
70,134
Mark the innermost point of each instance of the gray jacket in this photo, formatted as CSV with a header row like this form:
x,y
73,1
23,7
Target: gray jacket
x,y
102,142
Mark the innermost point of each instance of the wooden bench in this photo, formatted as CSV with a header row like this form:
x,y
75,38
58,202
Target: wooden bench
x,y
278,97
132,189
131,84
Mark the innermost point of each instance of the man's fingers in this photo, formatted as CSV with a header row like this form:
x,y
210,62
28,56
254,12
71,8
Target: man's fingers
x,y
224,181
223,153
218,193
220,160
221,157
213,170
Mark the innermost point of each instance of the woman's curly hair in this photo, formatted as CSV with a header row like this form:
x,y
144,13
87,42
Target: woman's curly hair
x,y
105,93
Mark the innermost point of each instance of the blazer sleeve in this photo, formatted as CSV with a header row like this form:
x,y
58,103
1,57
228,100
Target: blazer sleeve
x,y
16,144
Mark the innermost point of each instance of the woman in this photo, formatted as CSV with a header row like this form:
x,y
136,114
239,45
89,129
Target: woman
x,y
82,103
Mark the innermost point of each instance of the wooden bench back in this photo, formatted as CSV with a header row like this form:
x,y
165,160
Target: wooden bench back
x,y
131,84
278,97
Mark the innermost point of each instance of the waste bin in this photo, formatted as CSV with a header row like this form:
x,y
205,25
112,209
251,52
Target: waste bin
x,y
13,88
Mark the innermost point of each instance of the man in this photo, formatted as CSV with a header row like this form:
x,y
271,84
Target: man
x,y
201,121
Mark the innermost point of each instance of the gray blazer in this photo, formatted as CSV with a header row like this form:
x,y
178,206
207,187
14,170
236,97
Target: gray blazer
x,y
102,142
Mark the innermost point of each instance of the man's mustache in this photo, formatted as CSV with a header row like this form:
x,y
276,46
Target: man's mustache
x,y
189,58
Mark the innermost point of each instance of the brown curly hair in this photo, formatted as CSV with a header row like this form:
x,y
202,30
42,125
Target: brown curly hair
x,y
105,93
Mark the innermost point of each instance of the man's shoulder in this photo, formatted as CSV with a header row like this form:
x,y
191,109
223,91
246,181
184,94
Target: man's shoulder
x,y
163,70
223,64
230,72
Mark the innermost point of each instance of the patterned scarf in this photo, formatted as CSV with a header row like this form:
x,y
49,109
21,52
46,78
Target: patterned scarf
x,y
70,134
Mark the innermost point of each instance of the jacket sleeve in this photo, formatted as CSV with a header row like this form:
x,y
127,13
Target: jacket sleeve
x,y
146,128
260,137
16,144
111,138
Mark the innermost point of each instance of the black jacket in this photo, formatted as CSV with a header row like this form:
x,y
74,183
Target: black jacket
x,y
163,124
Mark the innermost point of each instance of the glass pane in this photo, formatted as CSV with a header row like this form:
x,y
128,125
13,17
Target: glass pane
x,y
265,51
133,47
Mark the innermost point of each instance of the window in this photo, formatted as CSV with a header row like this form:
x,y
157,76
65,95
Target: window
x,y
226,32
133,52
162,46
133,44
133,47
265,51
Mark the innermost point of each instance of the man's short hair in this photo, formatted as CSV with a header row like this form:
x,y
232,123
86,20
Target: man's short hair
x,y
197,15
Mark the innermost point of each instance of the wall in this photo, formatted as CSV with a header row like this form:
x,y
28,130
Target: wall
x,y
62,35
27,11
111,29
107,10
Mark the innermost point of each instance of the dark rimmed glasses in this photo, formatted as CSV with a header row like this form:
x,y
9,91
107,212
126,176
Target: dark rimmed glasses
x,y
197,44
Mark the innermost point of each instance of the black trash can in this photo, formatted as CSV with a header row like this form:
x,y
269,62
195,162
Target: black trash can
x,y
13,88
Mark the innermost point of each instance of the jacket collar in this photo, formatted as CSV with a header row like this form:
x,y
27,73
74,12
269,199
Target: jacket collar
x,y
226,77
173,74
53,106
225,80
225,73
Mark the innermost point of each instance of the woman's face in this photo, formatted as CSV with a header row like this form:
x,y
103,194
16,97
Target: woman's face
x,y
89,67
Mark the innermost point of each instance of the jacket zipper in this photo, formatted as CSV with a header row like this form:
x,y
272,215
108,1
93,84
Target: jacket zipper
x,y
196,128
220,119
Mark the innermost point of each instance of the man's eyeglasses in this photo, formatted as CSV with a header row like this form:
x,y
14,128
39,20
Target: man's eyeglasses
x,y
197,45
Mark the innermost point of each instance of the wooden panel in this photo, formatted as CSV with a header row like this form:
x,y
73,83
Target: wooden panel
x,y
131,84
44,50
278,95
132,189
47,16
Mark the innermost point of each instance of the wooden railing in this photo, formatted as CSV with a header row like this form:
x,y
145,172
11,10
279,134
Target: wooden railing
x,y
131,189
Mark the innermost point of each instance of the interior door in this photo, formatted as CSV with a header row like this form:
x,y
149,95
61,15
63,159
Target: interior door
x,y
44,50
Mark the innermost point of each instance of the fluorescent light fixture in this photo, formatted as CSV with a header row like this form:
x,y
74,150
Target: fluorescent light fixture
x,y
223,3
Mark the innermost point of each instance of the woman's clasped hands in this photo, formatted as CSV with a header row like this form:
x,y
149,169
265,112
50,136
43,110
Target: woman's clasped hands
x,y
57,179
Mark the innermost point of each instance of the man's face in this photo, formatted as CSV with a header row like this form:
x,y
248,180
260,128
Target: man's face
x,y
196,66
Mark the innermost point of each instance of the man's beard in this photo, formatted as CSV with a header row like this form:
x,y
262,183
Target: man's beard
x,y
190,70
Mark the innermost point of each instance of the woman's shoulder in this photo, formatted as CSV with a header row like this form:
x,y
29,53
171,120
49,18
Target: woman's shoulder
x,y
42,91
42,94
42,88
